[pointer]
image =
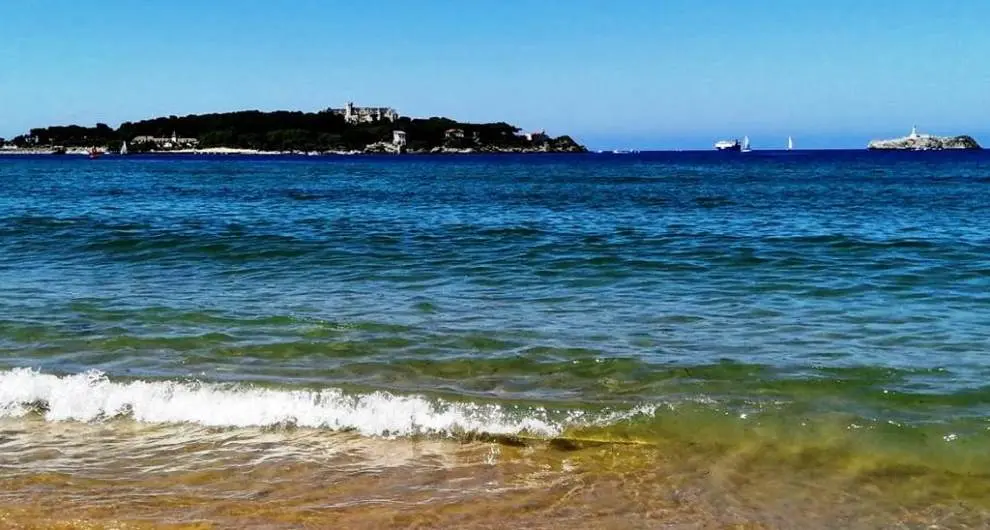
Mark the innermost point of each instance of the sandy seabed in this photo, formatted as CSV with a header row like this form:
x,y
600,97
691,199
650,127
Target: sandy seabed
x,y
128,475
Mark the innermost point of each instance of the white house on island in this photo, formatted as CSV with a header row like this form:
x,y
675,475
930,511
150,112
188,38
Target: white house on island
x,y
353,114
173,142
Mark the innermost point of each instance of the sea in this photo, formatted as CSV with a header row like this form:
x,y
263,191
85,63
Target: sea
x,y
650,340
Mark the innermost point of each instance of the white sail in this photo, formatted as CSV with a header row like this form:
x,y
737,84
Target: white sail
x,y
790,143
123,148
745,144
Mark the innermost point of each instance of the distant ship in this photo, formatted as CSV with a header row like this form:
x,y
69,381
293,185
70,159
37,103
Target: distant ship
x,y
733,145
728,145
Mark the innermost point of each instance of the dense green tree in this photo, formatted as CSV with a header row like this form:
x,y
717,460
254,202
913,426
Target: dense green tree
x,y
286,131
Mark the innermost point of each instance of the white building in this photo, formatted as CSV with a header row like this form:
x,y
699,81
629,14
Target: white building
x,y
538,136
172,142
354,114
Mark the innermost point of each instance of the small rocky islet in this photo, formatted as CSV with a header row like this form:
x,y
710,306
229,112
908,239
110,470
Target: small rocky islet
x,y
924,142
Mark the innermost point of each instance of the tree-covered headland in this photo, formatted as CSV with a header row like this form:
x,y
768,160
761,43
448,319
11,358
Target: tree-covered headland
x,y
286,131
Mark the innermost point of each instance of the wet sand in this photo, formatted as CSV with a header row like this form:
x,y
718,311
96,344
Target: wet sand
x,y
126,475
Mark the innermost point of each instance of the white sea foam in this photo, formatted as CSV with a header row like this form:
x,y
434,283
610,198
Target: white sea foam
x,y
91,396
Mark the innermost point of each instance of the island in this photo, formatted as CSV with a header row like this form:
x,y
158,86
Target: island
x,y
924,142
346,130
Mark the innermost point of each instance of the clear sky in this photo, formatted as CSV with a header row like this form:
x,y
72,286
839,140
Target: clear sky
x,y
618,73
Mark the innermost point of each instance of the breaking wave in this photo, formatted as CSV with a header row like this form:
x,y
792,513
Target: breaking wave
x,y
92,397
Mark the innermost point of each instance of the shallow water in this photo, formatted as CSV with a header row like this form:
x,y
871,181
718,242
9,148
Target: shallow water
x,y
776,340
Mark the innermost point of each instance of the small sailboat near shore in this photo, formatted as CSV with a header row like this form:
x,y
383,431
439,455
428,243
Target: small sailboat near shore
x,y
123,148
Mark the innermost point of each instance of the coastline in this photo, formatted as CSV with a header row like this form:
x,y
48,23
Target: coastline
x,y
76,151
386,460
292,477
221,151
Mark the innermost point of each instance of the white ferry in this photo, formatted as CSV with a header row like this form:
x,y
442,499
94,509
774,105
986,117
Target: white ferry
x,y
728,145
733,145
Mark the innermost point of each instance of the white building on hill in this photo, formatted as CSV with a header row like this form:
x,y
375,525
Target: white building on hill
x,y
354,114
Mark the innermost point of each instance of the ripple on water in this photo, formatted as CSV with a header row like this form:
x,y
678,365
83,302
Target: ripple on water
x,y
790,307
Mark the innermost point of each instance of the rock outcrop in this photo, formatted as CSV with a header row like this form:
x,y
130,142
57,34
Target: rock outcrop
x,y
566,144
925,142
561,144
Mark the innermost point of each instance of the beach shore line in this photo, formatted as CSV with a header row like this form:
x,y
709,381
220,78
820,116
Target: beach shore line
x,y
258,152
295,478
205,151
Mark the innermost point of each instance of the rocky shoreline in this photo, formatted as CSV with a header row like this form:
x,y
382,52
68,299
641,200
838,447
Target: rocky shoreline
x,y
372,150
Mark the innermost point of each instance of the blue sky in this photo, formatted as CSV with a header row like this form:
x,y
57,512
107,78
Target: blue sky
x,y
670,74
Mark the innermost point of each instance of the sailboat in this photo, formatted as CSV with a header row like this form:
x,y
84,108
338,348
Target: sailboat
x,y
790,143
745,144
123,148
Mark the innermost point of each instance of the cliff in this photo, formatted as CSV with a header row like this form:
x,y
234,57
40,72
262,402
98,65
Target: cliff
x,y
925,142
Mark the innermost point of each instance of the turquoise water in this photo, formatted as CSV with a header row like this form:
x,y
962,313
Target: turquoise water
x,y
636,297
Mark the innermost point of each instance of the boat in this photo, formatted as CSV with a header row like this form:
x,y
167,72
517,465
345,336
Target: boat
x,y
123,148
728,145
745,144
790,143
94,153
